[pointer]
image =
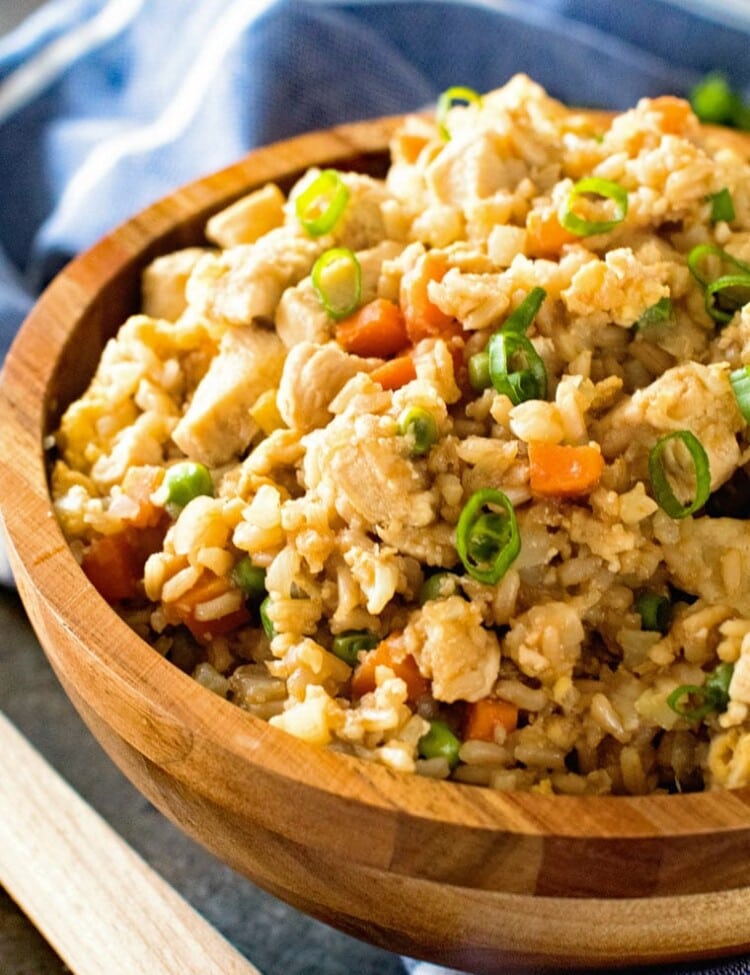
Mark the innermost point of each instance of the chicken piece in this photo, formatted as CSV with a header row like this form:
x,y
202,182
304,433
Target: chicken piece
x,y
711,559
687,397
301,316
312,376
546,641
248,218
453,649
247,281
217,425
164,282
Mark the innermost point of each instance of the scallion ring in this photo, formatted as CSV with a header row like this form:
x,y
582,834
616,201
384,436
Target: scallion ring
x,y
515,367
520,319
712,697
656,314
487,536
740,380
337,280
660,484
722,206
594,186
420,429
725,289
655,611
320,205
450,97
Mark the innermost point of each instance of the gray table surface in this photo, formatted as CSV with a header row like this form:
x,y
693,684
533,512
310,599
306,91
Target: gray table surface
x,y
275,937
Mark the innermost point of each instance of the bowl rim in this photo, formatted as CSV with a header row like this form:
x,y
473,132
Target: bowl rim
x,y
41,557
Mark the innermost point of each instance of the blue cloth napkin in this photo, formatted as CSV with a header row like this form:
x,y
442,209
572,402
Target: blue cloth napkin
x,y
106,105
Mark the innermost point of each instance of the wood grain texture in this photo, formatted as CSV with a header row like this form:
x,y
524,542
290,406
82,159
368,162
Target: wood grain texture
x,y
94,899
476,878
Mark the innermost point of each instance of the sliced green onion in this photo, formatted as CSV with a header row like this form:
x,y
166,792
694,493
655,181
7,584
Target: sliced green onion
x,y
420,429
346,646
597,187
185,481
488,541
265,619
515,367
519,320
740,380
337,280
714,100
440,742
320,205
479,371
660,485
694,703
656,314
722,206
725,288
251,579
655,611
441,585
458,94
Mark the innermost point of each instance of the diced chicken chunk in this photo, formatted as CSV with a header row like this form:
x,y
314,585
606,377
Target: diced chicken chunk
x,y
711,559
313,375
164,282
453,649
217,425
690,397
247,281
249,218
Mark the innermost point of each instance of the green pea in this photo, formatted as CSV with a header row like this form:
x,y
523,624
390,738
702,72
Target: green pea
x,y
440,742
346,646
420,427
251,579
438,586
265,619
185,481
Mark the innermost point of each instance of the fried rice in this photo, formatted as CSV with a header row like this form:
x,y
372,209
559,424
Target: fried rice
x,y
468,488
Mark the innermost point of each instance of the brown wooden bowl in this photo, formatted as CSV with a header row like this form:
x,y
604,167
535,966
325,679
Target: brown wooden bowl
x,y
478,879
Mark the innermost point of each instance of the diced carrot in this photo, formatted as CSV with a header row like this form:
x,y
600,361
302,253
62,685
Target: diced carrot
x,y
423,318
545,235
562,471
376,329
674,113
206,588
395,373
111,565
139,484
483,717
389,654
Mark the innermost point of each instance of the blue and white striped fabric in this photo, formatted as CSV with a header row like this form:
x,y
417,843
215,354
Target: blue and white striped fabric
x,y
106,105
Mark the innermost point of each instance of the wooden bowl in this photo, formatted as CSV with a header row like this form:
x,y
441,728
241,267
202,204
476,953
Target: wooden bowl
x,y
478,879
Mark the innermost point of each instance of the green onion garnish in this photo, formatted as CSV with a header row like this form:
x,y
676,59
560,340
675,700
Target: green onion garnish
x,y
714,100
660,485
440,742
656,314
479,371
740,380
488,541
655,611
722,206
251,579
420,429
694,703
266,621
321,204
346,646
441,585
337,280
515,367
521,318
597,187
458,94
721,285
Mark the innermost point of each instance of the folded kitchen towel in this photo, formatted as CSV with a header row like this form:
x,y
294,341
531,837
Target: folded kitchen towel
x,y
106,105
